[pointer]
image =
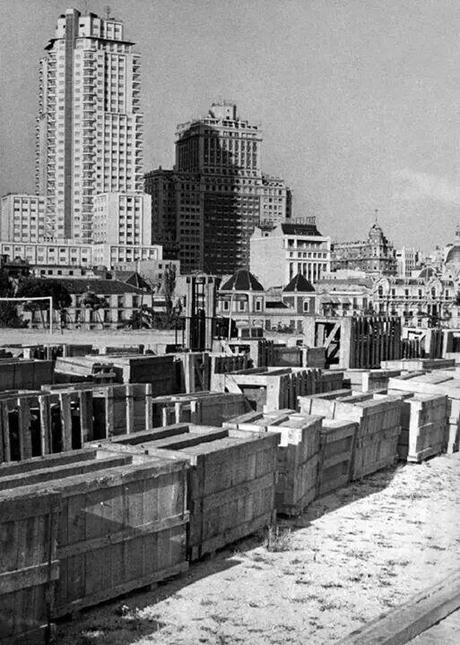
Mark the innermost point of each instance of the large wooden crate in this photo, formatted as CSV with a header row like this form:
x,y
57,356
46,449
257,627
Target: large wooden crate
x,y
427,430
298,455
36,424
25,374
28,565
206,408
376,444
451,388
231,480
275,389
122,523
337,439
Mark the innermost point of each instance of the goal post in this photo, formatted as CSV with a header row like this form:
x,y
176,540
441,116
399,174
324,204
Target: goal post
x,y
50,303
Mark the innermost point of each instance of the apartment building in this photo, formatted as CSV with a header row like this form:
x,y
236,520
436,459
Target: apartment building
x,y
22,218
90,124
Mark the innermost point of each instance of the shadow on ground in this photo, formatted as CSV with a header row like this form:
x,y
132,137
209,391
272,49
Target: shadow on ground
x,y
126,620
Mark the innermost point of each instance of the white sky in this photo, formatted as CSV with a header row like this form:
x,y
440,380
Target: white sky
x,y
358,99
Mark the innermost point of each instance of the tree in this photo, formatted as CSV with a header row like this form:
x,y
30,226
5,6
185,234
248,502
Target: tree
x,y
41,287
169,284
94,302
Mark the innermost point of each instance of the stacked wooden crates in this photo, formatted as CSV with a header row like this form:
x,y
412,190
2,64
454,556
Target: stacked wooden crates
x,y
86,526
375,444
436,385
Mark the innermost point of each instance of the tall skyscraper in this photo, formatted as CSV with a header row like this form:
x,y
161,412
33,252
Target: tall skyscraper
x,y
216,195
218,163
89,132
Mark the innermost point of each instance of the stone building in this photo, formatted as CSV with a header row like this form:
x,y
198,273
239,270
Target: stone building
x,y
374,256
424,301
279,253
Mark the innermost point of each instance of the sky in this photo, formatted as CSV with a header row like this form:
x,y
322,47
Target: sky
x,y
359,100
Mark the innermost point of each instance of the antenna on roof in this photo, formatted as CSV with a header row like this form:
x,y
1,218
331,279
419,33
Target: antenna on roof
x,y
107,10
85,7
375,215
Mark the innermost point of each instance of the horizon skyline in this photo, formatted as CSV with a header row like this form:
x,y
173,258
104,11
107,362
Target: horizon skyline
x,y
408,200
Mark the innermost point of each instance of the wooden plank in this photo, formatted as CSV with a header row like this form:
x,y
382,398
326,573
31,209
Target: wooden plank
x,y
47,461
65,470
186,440
125,535
148,406
38,574
24,422
86,416
45,425
5,422
66,420
109,418
411,619
129,409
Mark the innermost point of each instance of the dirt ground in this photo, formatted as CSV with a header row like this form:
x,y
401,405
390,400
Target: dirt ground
x,y
352,556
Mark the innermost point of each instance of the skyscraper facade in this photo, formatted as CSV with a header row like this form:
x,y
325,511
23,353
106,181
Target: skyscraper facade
x,y
90,125
216,195
218,164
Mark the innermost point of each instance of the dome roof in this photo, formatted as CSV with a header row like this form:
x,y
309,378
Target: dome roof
x,y
242,280
376,233
453,255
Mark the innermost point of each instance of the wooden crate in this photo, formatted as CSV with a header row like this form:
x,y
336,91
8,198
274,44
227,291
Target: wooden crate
x,y
206,408
231,480
28,565
122,523
376,444
377,438
337,438
427,430
298,455
38,424
23,374
451,388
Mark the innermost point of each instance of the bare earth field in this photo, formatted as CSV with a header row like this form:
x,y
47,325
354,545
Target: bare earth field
x,y
352,556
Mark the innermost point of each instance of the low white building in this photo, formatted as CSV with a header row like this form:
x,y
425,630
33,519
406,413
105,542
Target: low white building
x,y
279,254
69,253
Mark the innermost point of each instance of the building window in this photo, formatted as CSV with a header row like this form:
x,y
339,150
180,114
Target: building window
x,y
306,306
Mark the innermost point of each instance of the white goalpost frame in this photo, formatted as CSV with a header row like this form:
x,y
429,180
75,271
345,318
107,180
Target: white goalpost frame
x,y
49,298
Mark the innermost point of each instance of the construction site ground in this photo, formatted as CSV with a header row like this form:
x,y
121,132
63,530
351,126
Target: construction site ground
x,y
352,556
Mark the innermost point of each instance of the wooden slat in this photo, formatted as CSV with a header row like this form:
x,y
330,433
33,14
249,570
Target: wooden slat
x,y
66,420
86,416
67,470
125,535
38,574
45,425
129,409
